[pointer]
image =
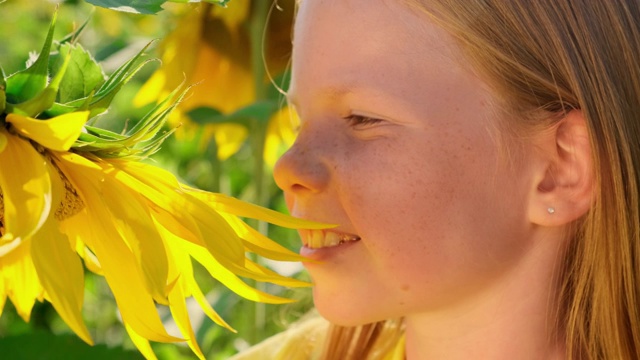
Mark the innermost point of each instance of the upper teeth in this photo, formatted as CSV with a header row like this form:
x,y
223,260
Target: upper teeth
x,y
318,239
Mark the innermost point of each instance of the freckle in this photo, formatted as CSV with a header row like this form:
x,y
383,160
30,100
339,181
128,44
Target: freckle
x,y
405,287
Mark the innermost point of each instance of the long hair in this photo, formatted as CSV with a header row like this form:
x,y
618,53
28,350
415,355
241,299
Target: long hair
x,y
543,58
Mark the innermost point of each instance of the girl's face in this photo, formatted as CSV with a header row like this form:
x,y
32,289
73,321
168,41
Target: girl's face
x,y
397,148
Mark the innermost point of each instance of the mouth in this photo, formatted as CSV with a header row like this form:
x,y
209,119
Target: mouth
x,y
317,239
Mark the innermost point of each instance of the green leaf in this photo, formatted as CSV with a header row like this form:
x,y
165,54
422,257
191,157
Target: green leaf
x,y
103,133
3,87
131,6
44,99
27,83
46,346
58,109
3,81
222,3
140,141
145,6
83,73
261,110
73,36
206,115
101,99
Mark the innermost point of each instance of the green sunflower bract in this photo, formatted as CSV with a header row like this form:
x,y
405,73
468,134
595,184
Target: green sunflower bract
x,y
76,196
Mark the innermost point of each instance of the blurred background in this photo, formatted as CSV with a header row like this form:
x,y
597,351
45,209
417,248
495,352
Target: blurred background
x,y
231,129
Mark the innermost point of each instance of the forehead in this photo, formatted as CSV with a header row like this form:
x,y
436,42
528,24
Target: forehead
x,y
370,27
374,44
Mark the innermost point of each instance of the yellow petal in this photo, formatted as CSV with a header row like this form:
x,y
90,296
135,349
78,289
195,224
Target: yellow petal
x,y
255,242
197,294
59,268
3,293
224,83
179,49
267,275
163,191
233,15
228,278
271,254
131,216
141,343
241,208
229,138
181,267
151,91
180,314
26,188
214,231
90,260
176,226
134,301
151,182
280,134
3,141
253,271
93,225
21,282
62,276
57,133
218,236
168,209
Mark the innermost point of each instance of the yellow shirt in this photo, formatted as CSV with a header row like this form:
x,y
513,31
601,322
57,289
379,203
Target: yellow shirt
x,y
302,341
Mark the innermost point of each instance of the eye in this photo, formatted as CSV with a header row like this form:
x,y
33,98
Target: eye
x,y
357,121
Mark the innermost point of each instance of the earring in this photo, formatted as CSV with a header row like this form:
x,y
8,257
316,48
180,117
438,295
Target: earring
x,y
551,210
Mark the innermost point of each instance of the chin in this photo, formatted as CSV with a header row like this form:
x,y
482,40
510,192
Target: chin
x,y
344,313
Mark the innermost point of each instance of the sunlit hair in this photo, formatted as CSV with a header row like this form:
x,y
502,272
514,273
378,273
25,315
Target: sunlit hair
x,y
543,58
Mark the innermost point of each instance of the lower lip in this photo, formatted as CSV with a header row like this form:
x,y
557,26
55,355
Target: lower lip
x,y
325,253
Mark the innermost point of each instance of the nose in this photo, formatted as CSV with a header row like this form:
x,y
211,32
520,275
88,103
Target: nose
x,y
301,170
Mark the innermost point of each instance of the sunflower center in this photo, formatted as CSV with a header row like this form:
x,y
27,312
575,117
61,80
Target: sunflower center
x,y
70,204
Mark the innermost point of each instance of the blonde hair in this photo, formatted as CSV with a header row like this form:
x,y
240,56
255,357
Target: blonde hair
x,y
543,58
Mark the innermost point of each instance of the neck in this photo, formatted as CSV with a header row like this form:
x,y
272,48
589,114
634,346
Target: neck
x,y
514,318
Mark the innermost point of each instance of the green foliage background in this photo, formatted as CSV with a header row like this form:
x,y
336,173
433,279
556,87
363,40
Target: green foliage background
x,y
113,37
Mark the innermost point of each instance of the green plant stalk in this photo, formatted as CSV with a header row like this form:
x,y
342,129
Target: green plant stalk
x,y
257,135
211,150
216,166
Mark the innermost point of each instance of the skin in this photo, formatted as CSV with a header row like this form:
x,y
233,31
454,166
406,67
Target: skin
x,y
398,146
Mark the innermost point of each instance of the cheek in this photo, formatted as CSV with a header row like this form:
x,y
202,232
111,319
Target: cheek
x,y
399,200
428,210
288,200
404,189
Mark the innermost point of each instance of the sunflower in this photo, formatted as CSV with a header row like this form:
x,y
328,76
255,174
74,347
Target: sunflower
x,y
212,46
76,197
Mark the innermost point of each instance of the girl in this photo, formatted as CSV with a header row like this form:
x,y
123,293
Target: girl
x,y
480,160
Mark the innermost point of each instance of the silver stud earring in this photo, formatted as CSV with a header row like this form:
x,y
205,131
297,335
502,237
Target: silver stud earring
x,y
551,210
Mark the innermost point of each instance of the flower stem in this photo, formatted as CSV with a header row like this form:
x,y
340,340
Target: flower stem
x,y
257,134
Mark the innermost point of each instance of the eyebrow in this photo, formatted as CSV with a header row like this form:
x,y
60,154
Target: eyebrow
x,y
331,93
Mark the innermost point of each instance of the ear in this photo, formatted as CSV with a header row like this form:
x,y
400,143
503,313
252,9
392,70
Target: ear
x,y
564,188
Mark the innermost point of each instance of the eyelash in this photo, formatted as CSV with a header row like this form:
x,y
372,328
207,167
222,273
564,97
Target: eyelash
x,y
359,120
